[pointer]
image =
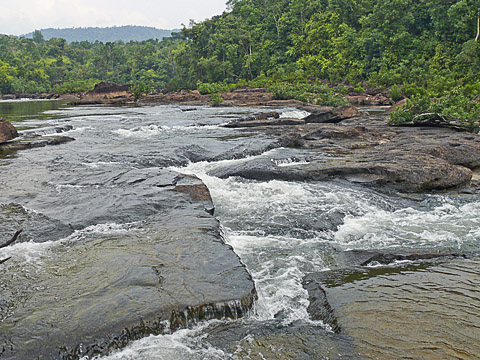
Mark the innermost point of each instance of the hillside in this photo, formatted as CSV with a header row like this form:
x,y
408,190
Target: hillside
x,y
109,34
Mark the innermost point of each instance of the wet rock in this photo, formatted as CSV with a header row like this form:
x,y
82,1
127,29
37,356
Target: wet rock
x,y
368,151
197,190
247,97
420,308
37,227
7,131
396,106
266,122
110,283
295,342
106,92
369,99
34,142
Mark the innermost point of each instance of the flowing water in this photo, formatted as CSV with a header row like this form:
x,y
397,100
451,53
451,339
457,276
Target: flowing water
x,y
280,230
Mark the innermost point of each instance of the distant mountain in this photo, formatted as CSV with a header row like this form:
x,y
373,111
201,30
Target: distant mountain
x,y
112,34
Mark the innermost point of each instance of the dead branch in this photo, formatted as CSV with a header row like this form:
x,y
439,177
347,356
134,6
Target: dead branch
x,y
2,261
12,240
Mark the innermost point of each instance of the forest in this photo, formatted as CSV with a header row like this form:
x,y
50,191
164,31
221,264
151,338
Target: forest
x,y
296,48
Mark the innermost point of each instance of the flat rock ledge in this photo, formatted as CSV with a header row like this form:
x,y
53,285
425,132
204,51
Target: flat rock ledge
x,y
32,142
414,305
95,294
365,149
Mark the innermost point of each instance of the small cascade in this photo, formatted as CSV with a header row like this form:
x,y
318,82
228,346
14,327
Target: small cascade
x,y
191,316
52,130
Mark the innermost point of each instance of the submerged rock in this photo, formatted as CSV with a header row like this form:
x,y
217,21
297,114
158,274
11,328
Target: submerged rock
x,y
33,142
417,306
7,131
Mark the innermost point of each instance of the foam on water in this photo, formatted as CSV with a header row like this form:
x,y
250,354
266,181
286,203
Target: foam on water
x,y
447,225
32,252
294,114
182,344
155,130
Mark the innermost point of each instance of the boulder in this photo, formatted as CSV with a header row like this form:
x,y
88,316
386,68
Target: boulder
x,y
7,131
109,87
327,114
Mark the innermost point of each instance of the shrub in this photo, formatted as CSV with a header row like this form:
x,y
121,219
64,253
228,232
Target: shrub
x,y
216,99
453,107
395,93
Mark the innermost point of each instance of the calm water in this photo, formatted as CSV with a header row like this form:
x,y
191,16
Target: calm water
x,y
281,230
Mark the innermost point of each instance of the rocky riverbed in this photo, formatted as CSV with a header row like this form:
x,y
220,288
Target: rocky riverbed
x,y
337,234
365,149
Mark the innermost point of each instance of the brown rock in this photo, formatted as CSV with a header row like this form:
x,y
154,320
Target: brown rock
x,y
105,87
396,106
327,114
7,131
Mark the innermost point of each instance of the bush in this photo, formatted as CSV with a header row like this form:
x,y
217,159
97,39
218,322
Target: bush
x,y
216,99
395,93
358,89
455,107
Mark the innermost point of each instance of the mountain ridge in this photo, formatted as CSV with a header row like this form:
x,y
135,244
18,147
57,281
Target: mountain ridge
x,y
106,34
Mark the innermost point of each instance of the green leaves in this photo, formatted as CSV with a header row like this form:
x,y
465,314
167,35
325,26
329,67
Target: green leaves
x,y
456,107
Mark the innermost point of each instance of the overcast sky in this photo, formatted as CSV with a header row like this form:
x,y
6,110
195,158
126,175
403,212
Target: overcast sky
x,y
23,16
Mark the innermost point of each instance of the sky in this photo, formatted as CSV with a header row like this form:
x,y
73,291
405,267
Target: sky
x,y
23,16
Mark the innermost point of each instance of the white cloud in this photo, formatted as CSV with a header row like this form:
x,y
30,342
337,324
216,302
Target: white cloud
x,y
27,15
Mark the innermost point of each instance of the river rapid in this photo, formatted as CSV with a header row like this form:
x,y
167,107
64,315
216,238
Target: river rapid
x,y
281,230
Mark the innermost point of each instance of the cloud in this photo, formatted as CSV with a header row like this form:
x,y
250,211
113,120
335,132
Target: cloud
x,y
28,15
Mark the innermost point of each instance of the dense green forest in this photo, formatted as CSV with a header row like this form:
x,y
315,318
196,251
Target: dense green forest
x,y
112,34
416,44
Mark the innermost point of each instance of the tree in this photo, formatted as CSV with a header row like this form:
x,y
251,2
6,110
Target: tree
x,y
38,37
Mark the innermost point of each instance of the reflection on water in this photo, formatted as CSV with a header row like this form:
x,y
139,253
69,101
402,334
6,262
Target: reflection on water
x,y
19,111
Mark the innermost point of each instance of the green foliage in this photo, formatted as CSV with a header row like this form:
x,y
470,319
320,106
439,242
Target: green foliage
x,y
216,99
395,93
428,46
140,89
315,93
456,106
37,36
358,89
213,88
75,86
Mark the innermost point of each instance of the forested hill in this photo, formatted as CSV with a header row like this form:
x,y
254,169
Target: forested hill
x,y
416,44
109,34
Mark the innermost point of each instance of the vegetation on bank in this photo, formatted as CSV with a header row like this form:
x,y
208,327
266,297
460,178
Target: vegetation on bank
x,y
420,49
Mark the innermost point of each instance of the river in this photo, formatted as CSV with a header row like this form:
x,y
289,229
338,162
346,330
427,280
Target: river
x,y
281,231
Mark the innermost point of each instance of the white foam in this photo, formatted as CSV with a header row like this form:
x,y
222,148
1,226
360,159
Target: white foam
x,y
155,130
294,114
447,225
27,252
101,164
182,344
32,252
288,162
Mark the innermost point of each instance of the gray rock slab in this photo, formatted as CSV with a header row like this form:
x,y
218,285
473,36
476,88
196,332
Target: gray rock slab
x,y
105,285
